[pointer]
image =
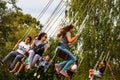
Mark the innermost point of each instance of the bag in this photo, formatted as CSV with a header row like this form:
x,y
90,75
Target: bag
x,y
62,54
39,49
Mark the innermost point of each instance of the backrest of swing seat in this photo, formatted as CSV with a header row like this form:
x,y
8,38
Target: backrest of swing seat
x,y
62,54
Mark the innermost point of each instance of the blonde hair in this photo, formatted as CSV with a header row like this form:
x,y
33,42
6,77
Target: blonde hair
x,y
65,29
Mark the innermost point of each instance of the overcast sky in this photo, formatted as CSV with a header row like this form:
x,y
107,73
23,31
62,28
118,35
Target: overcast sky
x,y
34,7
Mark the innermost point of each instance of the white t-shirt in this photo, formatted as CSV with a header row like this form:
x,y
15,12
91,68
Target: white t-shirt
x,y
22,47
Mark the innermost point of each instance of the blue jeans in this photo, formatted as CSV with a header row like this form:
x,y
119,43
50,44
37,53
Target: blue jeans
x,y
13,54
65,64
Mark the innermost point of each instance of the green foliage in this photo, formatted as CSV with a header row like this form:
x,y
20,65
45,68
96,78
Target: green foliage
x,y
100,35
13,26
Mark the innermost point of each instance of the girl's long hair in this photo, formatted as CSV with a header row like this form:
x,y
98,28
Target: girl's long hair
x,y
41,35
65,29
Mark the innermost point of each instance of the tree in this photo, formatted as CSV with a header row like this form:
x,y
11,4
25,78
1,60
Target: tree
x,y
100,32
13,25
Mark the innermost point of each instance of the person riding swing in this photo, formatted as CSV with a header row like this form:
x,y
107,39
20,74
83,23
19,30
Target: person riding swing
x,y
38,48
22,63
43,65
21,49
65,41
99,72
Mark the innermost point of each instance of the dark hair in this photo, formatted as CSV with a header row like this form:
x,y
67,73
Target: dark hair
x,y
29,38
105,63
64,30
41,35
76,62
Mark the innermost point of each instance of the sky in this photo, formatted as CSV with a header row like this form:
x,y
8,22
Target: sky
x,y
34,7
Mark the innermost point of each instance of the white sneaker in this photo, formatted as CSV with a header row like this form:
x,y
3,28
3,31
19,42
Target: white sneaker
x,y
27,67
12,71
38,76
35,74
16,73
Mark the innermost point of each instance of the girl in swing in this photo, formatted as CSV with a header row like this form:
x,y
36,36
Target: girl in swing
x,y
65,41
100,71
33,55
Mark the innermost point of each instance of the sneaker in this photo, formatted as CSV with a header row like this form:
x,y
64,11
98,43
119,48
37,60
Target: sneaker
x,y
27,67
57,68
1,62
35,74
64,74
16,73
12,71
38,76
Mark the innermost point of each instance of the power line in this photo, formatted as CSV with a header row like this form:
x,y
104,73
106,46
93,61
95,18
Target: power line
x,y
51,15
52,22
45,9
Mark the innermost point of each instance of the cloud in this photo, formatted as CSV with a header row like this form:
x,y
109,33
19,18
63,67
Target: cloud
x,y
35,7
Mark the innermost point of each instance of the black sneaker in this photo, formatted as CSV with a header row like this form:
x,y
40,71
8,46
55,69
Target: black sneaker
x,y
1,62
10,69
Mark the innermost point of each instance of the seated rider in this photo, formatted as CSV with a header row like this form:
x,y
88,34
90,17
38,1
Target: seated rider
x,y
20,65
66,40
99,72
43,65
21,48
38,48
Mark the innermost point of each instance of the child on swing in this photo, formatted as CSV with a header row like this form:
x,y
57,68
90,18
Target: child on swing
x,y
19,65
43,65
99,72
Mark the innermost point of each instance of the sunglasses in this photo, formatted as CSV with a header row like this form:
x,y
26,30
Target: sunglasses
x,y
45,36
